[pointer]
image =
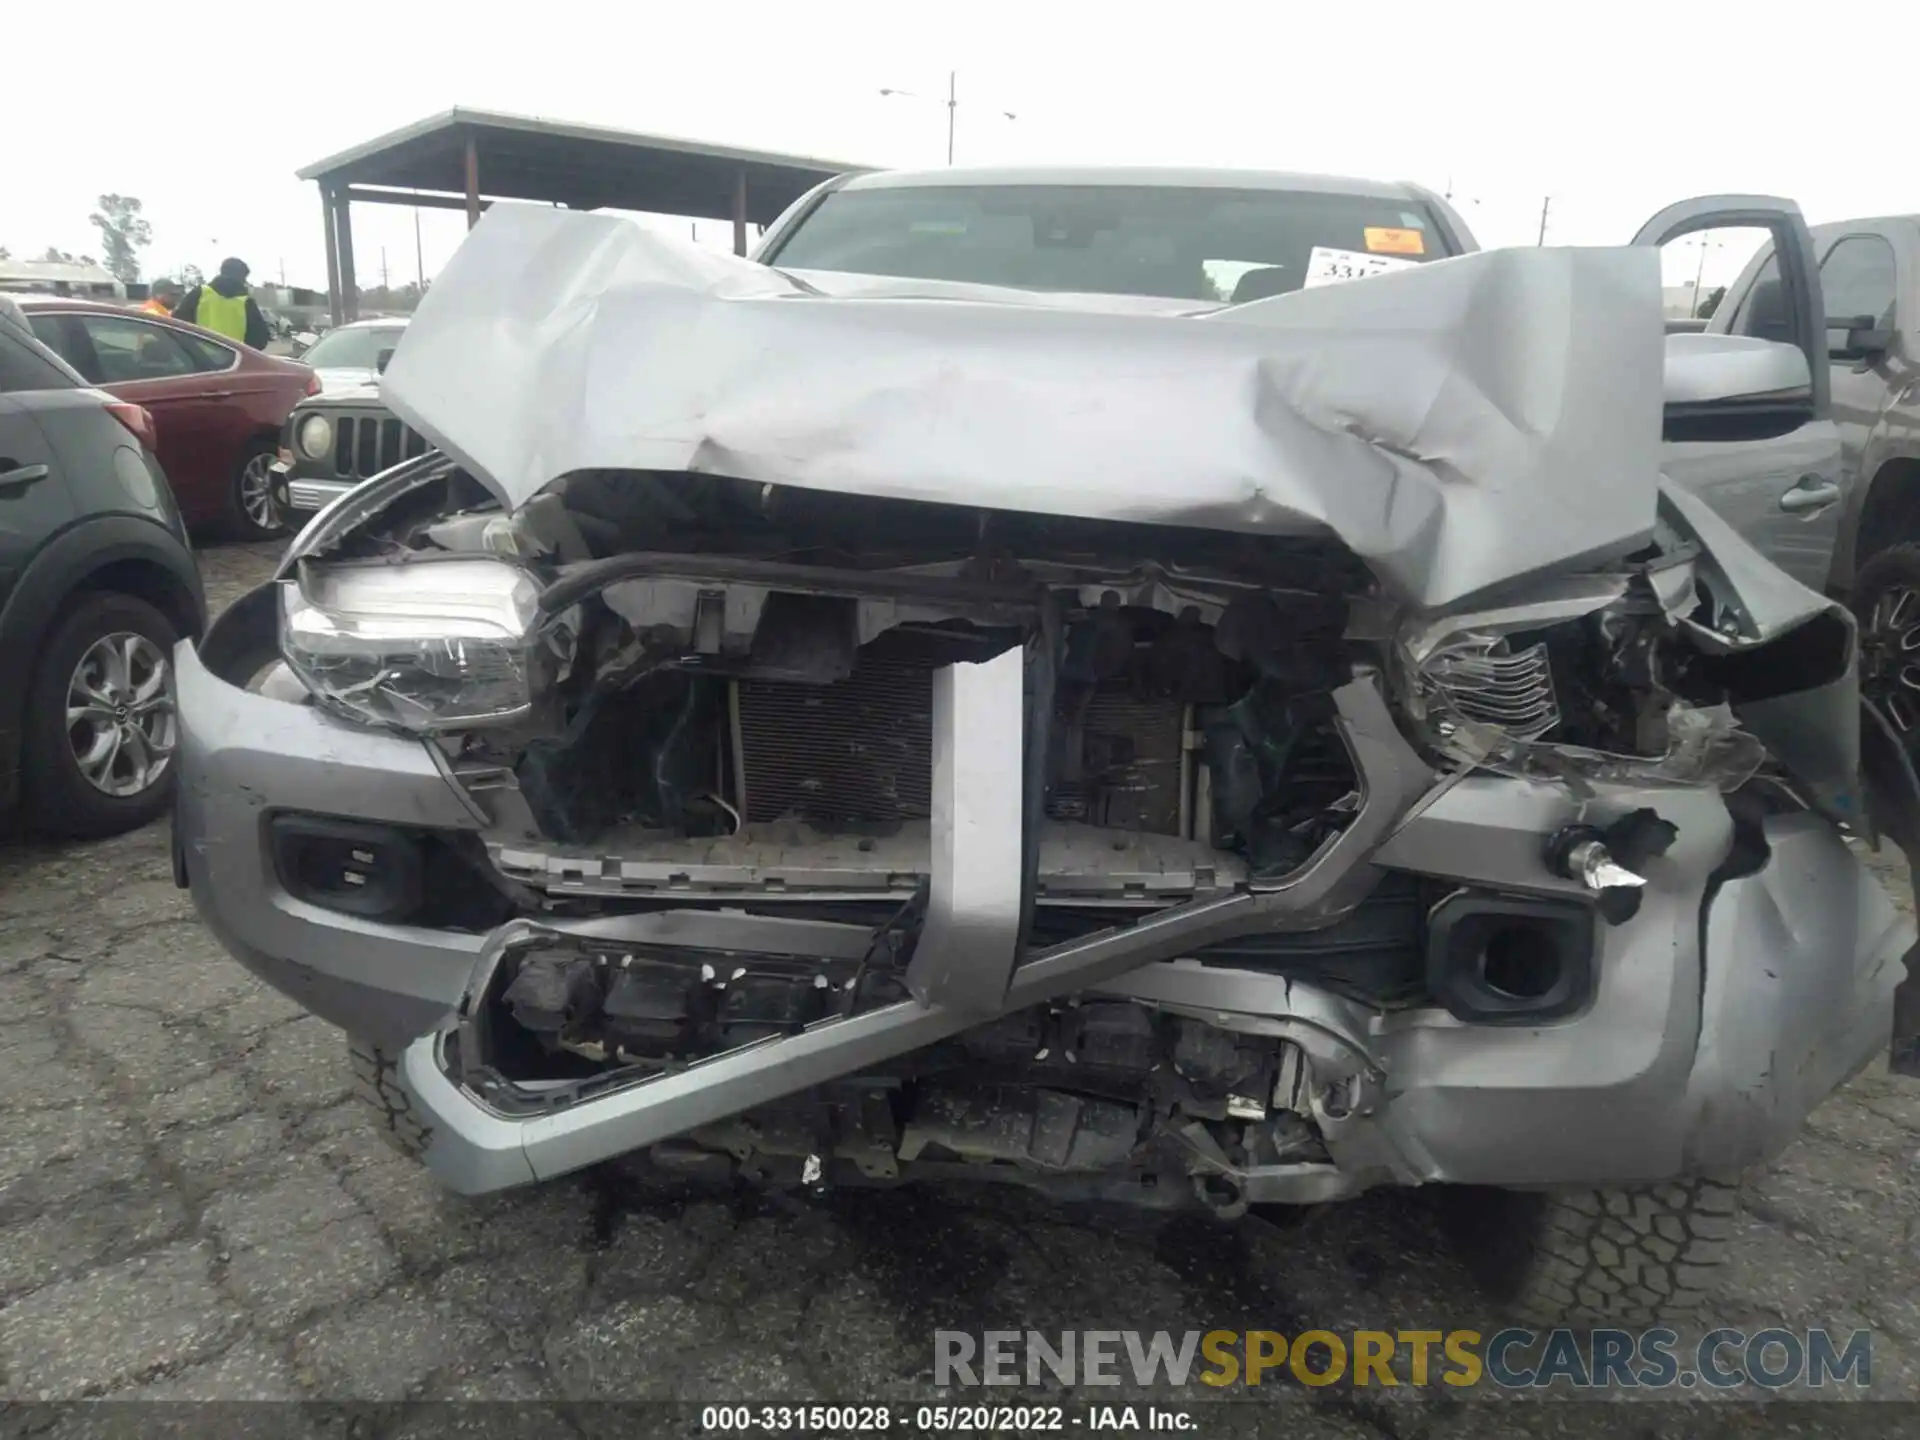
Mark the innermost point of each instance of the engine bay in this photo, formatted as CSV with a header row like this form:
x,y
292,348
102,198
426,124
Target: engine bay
x,y
743,690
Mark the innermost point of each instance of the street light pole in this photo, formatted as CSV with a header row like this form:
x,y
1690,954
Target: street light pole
x,y
953,105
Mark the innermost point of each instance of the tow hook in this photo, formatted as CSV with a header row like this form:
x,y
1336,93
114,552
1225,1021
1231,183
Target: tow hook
x,y
1609,861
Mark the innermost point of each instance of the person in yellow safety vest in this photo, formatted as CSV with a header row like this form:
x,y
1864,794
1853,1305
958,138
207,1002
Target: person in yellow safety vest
x,y
224,306
162,296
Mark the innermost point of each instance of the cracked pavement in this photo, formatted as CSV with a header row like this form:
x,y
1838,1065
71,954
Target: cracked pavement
x,y
192,1208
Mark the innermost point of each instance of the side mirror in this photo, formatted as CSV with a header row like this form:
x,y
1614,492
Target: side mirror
x,y
1861,338
380,362
1734,387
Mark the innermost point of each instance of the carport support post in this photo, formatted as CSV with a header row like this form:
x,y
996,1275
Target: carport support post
x,y
334,299
349,286
473,182
740,213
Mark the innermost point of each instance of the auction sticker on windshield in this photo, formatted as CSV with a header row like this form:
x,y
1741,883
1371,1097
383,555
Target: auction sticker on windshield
x,y
1389,240
1328,266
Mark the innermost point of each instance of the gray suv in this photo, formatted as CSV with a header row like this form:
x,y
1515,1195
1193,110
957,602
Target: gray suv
x,y
97,584
1867,528
1193,689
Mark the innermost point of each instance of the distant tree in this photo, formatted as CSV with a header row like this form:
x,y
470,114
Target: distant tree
x,y
191,277
399,299
1712,302
5,254
58,256
123,234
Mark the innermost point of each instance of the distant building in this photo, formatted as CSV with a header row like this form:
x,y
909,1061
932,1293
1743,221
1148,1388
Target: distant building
x,y
60,277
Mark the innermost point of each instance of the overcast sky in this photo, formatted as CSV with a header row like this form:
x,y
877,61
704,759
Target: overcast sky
x,y
214,105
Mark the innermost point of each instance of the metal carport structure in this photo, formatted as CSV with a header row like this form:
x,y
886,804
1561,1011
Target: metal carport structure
x,y
468,158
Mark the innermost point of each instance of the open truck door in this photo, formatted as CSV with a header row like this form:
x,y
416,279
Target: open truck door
x,y
1749,425
1749,430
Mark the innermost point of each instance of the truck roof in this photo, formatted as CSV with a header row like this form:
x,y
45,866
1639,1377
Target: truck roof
x,y
1830,227
1189,177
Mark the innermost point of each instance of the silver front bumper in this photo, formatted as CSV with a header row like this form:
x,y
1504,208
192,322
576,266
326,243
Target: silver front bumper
x,y
1709,1038
243,756
1686,1061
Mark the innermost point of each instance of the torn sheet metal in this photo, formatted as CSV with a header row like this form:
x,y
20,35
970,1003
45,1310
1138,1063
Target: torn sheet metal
x,y
1457,424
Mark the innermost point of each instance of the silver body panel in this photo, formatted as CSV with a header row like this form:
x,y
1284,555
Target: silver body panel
x,y
1456,424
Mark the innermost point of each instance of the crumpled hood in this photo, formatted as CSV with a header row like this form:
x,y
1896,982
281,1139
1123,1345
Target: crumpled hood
x,y
1458,424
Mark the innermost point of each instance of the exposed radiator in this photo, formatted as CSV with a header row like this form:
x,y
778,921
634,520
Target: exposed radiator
x,y
858,750
1130,752
861,750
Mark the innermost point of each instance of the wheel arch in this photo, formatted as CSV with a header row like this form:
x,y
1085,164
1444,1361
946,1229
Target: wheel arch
x,y
106,554
1890,513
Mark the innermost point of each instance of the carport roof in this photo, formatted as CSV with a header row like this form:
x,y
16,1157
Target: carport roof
x,y
584,167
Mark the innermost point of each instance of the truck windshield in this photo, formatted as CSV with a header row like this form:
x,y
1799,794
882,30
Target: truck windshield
x,y
1182,242
351,349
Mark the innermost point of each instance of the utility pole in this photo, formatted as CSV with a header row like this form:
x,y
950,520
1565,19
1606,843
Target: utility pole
x,y
1545,205
283,272
383,267
419,257
1700,274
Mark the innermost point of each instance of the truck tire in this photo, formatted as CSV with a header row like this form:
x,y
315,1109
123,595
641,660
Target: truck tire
x,y
1631,1256
376,1084
1886,602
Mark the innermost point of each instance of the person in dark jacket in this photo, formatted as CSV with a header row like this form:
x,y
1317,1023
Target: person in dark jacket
x,y
225,306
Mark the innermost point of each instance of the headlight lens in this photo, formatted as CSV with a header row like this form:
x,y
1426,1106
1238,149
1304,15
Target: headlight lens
x,y
427,646
315,436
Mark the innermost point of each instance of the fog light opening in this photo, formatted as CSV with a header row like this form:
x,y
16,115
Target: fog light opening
x,y
1221,1195
1520,962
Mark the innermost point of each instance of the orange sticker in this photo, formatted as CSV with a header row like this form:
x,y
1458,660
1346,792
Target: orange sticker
x,y
1384,241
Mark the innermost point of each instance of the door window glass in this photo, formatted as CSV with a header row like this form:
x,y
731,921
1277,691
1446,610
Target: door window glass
x,y
1763,310
208,356
1857,278
126,350
22,369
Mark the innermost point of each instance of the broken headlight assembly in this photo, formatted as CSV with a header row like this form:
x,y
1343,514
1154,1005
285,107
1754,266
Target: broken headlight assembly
x,y
429,646
1492,700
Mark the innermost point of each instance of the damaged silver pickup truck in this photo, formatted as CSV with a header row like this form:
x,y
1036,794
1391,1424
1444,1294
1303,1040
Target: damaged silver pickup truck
x,y
1031,680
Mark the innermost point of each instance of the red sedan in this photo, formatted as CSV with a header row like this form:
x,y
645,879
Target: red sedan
x,y
217,406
